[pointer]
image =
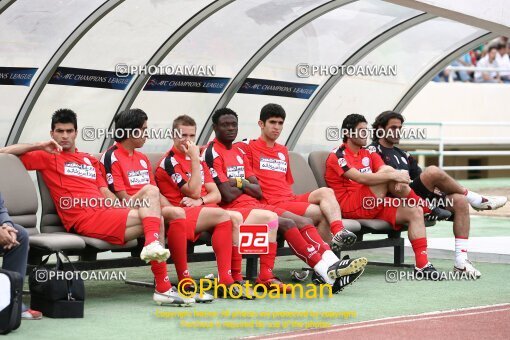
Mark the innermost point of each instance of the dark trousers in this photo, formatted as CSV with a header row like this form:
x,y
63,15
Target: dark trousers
x,y
15,259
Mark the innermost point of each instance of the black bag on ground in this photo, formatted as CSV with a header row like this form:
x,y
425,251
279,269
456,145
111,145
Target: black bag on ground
x,y
56,292
11,289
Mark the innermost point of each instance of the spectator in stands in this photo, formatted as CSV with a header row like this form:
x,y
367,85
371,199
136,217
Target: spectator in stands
x,y
14,247
464,76
465,60
442,77
488,61
503,62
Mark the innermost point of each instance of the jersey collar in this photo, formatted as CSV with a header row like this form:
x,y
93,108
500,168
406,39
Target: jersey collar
x,y
123,150
179,153
218,143
347,149
69,152
382,147
261,142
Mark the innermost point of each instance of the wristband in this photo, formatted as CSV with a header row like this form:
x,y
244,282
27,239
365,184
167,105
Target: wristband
x,y
203,202
239,183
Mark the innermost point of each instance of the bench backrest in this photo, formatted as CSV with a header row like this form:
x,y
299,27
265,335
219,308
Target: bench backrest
x,y
317,161
19,192
304,180
50,221
154,158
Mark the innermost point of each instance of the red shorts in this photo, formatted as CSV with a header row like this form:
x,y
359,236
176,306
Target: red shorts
x,y
296,205
354,206
192,214
246,210
107,224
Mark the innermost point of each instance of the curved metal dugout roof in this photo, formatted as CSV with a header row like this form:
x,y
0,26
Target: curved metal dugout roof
x,y
247,41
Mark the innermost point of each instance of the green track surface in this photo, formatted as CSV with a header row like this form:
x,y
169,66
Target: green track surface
x,y
485,183
481,226
117,310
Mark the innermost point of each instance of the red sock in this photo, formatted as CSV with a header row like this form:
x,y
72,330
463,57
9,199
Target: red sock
x,y
311,235
221,243
178,245
267,262
151,229
420,201
301,248
161,276
336,227
236,264
420,251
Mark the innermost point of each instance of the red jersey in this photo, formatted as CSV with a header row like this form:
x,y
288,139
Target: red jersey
x,y
271,165
125,172
229,163
68,175
174,171
342,159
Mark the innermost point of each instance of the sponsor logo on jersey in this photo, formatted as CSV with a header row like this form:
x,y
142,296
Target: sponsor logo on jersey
x,y
79,170
138,177
235,171
272,164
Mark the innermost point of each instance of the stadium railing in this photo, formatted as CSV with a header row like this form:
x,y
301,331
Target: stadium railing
x,y
473,69
441,140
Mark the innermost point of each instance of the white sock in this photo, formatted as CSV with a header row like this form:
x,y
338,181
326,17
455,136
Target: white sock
x,y
473,197
322,269
329,257
461,248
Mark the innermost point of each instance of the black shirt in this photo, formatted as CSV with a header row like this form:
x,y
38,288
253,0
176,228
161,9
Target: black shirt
x,y
398,159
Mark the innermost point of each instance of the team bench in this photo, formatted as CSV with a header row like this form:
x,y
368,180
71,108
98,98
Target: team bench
x,y
21,199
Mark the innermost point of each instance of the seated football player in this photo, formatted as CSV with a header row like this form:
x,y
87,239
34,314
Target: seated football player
x,y
74,176
240,190
360,178
387,131
270,163
185,181
130,172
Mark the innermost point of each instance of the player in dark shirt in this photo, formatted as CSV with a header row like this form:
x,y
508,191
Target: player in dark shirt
x,y
433,183
362,182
